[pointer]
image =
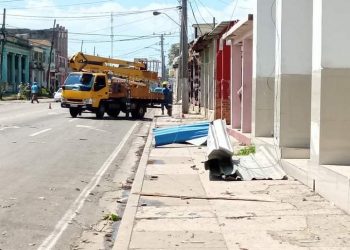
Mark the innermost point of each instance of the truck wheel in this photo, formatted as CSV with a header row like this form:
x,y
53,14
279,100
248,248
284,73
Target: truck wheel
x,y
113,113
139,112
100,111
74,112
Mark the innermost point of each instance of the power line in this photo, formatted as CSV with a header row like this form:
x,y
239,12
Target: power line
x,y
200,13
195,17
92,16
205,7
132,36
57,6
132,52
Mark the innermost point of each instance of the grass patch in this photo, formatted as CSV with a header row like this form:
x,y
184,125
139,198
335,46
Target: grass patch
x,y
246,150
112,217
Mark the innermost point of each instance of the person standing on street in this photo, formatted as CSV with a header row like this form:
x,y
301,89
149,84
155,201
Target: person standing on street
x,y
35,92
166,93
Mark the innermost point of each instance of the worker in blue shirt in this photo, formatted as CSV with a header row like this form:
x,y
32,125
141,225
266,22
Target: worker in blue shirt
x,y
167,97
35,92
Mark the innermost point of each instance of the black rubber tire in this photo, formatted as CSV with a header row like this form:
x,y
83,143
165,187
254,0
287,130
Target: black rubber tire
x,y
100,111
113,113
139,112
74,112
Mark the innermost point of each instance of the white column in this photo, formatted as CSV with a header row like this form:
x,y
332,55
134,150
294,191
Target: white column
x,y
247,85
263,68
293,74
330,115
236,83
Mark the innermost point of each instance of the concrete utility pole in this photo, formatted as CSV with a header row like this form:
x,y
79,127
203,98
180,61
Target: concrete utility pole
x,y
3,38
184,58
162,56
48,80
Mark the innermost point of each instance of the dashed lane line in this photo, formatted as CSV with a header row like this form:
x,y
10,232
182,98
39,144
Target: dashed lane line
x,y
77,205
40,132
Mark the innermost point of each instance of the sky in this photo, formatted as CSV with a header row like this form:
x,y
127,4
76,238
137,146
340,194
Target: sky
x,y
136,30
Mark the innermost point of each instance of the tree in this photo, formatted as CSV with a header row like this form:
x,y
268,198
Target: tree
x,y
173,52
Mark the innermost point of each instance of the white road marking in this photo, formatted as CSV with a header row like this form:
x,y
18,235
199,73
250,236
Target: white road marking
x,y
54,113
40,132
72,120
90,127
75,208
2,129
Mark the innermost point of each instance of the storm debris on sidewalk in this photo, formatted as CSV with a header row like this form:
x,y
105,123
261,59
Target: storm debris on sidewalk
x,y
220,163
223,165
182,134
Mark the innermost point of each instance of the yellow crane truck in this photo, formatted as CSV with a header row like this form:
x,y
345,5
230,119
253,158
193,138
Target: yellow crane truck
x,y
104,85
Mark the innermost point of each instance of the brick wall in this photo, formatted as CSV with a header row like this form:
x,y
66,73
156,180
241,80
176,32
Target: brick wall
x,y
222,101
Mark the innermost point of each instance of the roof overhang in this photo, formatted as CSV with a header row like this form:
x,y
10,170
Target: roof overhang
x,y
240,31
202,42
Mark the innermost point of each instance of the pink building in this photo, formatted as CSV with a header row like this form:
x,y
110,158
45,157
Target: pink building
x,y
240,39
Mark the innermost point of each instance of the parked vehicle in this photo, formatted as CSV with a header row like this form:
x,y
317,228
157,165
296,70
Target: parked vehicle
x,y
58,95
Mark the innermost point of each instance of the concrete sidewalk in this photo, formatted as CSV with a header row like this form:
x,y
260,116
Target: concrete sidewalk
x,y
221,215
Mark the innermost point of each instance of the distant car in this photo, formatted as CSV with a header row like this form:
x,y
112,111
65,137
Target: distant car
x,y
57,95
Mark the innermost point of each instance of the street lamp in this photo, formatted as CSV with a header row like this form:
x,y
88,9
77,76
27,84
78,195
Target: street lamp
x,y
156,13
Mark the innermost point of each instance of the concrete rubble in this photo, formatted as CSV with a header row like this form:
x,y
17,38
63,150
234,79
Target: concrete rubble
x,y
174,205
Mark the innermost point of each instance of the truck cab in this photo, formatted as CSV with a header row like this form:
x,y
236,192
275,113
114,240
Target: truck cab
x,y
84,91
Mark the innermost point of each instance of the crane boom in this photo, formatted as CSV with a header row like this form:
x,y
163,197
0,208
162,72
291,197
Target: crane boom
x,y
96,64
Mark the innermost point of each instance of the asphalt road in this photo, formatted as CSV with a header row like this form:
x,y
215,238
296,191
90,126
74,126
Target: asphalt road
x,y
49,164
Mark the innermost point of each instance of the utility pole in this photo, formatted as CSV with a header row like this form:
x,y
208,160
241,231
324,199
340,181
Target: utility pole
x,y
184,58
48,80
94,50
112,35
81,46
3,38
162,56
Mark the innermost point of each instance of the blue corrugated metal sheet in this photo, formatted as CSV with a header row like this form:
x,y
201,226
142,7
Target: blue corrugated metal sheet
x,y
180,134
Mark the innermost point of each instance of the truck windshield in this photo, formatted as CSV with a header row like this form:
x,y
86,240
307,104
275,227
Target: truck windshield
x,y
80,81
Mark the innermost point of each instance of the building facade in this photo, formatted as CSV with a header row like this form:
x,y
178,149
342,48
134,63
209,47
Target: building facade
x,y
210,72
60,46
39,63
15,63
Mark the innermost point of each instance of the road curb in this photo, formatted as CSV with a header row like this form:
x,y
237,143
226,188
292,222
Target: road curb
x,y
127,223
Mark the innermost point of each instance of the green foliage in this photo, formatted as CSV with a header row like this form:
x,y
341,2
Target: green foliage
x,y
174,51
44,92
246,150
23,91
112,217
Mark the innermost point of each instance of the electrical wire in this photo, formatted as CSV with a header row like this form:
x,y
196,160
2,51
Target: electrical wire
x,y
195,17
106,14
200,13
132,52
57,6
206,8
